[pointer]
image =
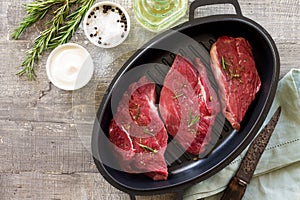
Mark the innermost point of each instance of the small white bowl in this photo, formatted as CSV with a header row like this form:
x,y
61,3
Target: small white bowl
x,y
69,66
106,24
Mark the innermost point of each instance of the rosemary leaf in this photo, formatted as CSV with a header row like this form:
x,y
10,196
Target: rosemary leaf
x,y
223,63
193,119
178,95
35,12
137,112
147,131
146,148
66,32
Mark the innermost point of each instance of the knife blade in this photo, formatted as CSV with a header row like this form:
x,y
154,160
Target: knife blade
x,y
237,186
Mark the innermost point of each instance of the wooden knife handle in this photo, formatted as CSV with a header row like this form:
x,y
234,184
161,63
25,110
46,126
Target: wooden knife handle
x,y
235,190
256,149
237,186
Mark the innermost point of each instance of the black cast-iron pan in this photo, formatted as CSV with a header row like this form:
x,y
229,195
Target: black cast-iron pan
x,y
191,39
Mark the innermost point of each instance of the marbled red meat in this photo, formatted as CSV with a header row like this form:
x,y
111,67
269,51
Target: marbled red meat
x,y
138,133
235,71
189,105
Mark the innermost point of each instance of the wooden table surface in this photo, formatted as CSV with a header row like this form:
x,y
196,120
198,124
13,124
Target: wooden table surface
x,y
44,142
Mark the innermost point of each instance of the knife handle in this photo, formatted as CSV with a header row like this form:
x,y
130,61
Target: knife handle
x,y
235,189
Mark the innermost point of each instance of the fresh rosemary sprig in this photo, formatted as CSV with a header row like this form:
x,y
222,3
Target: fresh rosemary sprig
x,y
60,29
35,12
178,95
138,112
193,119
41,42
66,32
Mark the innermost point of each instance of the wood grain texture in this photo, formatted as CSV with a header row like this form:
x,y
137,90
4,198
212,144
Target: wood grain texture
x,y
43,154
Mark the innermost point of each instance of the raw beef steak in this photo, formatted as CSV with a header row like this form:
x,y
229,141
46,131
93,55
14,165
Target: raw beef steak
x,y
234,69
188,105
138,133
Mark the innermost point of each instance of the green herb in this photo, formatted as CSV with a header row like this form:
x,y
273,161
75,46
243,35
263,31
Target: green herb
x,y
149,132
66,32
193,119
146,148
235,75
41,43
138,112
127,126
35,12
59,30
178,95
223,63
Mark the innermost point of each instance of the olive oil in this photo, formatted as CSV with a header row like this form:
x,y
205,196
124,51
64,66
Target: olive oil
x,y
157,15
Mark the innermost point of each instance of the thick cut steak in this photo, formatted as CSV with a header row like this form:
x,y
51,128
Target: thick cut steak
x,y
235,71
138,134
189,105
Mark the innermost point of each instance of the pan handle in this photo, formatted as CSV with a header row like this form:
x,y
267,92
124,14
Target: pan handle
x,y
198,3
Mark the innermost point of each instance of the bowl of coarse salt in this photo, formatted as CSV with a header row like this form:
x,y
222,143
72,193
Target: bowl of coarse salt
x,y
106,24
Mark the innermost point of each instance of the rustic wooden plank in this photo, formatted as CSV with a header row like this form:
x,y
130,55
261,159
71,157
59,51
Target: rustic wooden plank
x,y
48,160
34,185
43,147
49,186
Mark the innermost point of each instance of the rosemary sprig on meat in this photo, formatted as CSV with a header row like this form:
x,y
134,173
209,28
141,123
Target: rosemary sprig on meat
x,y
148,131
138,112
193,119
59,30
178,95
146,148
223,63
225,66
